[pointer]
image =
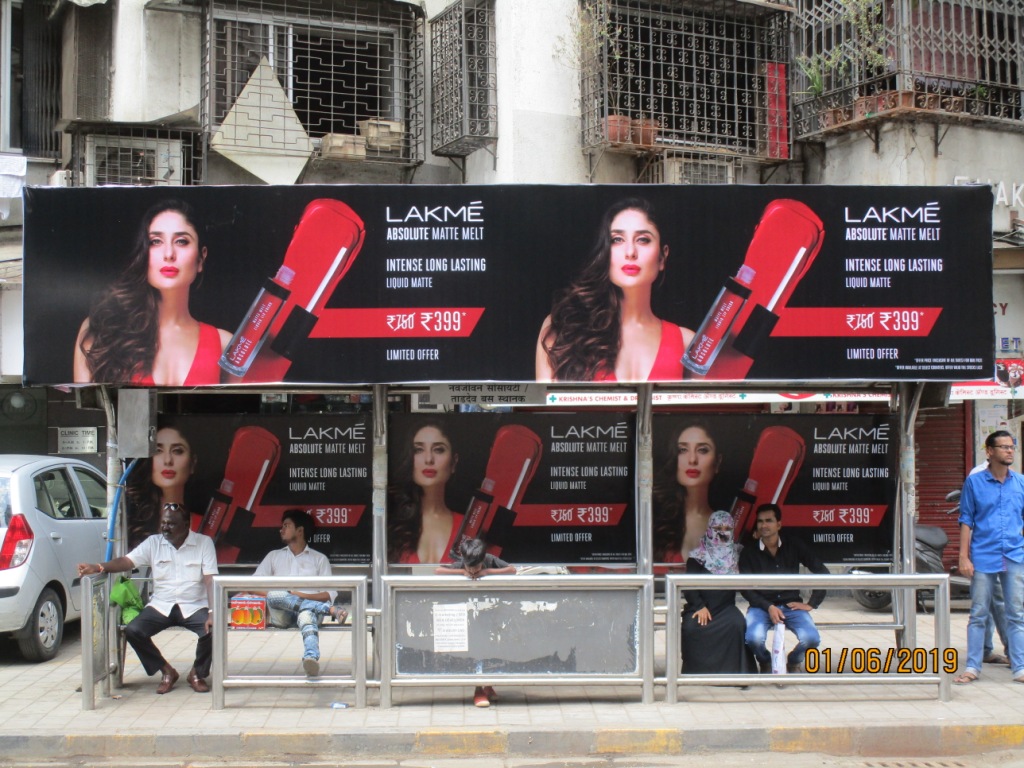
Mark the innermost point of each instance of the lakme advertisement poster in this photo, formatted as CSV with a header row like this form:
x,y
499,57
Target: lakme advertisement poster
x,y
537,488
408,283
243,472
833,475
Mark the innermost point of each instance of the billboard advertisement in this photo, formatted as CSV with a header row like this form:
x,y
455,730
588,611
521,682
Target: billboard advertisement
x,y
200,286
833,475
238,474
538,488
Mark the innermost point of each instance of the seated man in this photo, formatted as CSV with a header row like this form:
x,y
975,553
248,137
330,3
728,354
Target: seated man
x,y
184,564
475,562
767,608
290,608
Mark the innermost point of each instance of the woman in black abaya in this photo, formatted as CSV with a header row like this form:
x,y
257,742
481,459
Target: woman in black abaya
x,y
713,627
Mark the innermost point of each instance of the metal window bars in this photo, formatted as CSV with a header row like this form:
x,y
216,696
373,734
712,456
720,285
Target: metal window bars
x,y
120,154
463,79
688,76
861,59
345,78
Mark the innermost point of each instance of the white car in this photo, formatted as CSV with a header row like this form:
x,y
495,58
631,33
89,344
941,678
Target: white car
x,y
52,516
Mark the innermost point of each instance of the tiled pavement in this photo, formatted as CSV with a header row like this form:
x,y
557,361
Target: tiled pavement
x,y
41,715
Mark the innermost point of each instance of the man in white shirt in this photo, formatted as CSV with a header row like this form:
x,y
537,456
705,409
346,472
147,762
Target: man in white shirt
x,y
183,564
290,608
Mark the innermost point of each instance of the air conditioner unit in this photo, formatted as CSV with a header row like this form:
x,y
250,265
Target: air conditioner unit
x,y
61,179
687,170
113,159
421,404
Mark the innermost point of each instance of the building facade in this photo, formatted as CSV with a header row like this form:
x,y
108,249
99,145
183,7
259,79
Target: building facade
x,y
186,92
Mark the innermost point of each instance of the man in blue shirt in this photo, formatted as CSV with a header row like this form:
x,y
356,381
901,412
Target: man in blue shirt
x,y
991,548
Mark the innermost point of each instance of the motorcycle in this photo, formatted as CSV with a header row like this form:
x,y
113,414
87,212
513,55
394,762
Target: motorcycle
x,y
930,541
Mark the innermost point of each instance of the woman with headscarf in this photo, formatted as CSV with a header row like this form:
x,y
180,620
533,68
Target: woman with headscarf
x,y
713,627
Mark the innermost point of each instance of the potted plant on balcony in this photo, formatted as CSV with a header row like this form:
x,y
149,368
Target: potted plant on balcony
x,y
857,55
644,129
816,69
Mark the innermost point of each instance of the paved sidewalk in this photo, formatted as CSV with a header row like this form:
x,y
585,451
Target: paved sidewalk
x,y
41,714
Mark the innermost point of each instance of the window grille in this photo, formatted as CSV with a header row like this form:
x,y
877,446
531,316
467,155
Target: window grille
x,y
30,48
140,156
686,75
863,59
463,81
691,168
349,70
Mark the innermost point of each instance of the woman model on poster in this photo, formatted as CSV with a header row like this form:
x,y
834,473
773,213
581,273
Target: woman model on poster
x,y
602,327
713,627
159,480
681,506
421,526
141,330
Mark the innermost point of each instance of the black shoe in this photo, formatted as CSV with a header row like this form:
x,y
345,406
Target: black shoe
x,y
795,669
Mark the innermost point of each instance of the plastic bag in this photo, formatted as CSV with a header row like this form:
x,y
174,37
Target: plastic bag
x,y
779,649
125,594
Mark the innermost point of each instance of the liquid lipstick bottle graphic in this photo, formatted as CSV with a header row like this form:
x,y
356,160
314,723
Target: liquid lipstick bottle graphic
x,y
246,343
217,509
711,336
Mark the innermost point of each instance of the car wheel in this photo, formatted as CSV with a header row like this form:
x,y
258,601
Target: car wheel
x,y
40,640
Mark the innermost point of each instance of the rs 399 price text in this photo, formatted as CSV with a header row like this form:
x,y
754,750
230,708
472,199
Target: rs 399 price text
x,y
900,661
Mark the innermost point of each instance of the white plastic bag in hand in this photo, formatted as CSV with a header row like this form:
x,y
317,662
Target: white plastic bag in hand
x,y
779,649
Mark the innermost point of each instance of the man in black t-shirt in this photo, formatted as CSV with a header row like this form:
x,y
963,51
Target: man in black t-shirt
x,y
769,607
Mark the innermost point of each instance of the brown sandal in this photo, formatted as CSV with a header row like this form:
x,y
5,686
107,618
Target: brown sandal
x,y
965,677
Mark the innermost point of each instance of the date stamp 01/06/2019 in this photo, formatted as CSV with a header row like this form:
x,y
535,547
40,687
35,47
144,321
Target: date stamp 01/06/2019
x,y
873,661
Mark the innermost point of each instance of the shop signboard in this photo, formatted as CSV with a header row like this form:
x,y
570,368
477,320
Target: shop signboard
x,y
539,488
246,471
507,283
833,474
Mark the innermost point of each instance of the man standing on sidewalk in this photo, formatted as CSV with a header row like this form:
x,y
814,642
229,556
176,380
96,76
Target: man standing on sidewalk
x,y
997,615
992,549
290,608
768,556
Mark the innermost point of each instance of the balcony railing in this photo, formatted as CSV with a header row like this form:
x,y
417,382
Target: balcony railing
x,y
858,60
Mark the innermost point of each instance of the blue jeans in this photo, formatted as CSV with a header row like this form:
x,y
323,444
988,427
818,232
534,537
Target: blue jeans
x,y
287,610
798,622
996,623
982,587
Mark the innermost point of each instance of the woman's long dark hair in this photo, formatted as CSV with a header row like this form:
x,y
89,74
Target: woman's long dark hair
x,y
668,521
123,324
405,522
144,497
584,336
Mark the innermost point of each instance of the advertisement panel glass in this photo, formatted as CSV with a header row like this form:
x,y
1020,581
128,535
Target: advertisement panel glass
x,y
833,475
238,474
538,488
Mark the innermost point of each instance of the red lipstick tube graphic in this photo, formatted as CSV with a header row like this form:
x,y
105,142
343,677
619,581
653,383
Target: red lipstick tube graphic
x,y
512,464
252,460
323,248
785,243
778,456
